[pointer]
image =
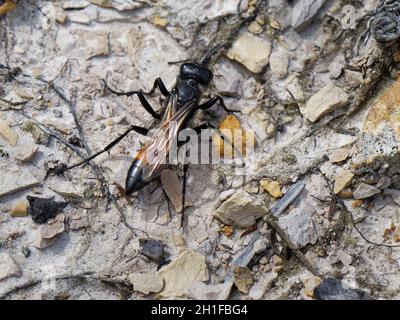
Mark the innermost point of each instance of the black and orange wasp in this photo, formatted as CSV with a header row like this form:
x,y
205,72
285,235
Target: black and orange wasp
x,y
180,105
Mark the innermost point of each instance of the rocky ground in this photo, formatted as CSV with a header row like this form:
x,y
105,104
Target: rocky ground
x,y
314,80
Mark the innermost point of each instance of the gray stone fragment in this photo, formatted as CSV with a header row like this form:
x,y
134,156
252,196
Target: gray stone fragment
x,y
11,182
146,283
326,100
152,249
279,62
299,226
364,191
8,267
384,182
394,194
304,11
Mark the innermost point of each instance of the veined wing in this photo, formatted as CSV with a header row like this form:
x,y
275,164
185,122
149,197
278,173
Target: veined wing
x,y
154,155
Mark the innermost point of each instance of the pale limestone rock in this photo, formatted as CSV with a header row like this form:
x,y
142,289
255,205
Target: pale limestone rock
x,y
79,17
93,44
299,226
293,85
339,155
8,267
64,188
259,288
304,11
146,283
251,51
383,182
8,133
40,243
80,223
342,180
13,97
46,235
279,63
328,99
120,5
50,231
26,152
364,191
75,4
202,291
241,210
186,270
11,182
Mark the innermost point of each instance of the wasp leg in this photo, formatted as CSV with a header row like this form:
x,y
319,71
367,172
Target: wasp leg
x,y
198,129
212,101
140,130
158,83
185,169
183,215
146,105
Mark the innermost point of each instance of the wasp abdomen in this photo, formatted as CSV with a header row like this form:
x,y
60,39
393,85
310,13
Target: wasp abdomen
x,y
134,178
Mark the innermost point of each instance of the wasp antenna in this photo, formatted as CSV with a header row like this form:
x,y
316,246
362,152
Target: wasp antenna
x,y
179,61
206,60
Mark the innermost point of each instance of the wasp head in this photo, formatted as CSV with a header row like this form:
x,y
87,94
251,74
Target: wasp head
x,y
197,72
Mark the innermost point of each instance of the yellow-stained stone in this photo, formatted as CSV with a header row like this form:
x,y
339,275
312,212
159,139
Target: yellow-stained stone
x,y
234,134
357,203
20,209
7,6
385,113
272,187
345,194
251,51
380,130
342,180
396,235
227,230
159,21
310,284
61,16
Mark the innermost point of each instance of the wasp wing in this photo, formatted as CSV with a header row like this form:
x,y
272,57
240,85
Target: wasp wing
x,y
154,156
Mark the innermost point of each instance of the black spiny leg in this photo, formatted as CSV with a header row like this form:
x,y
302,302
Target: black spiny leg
x,y
158,83
146,105
183,216
140,130
198,129
212,101
185,169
